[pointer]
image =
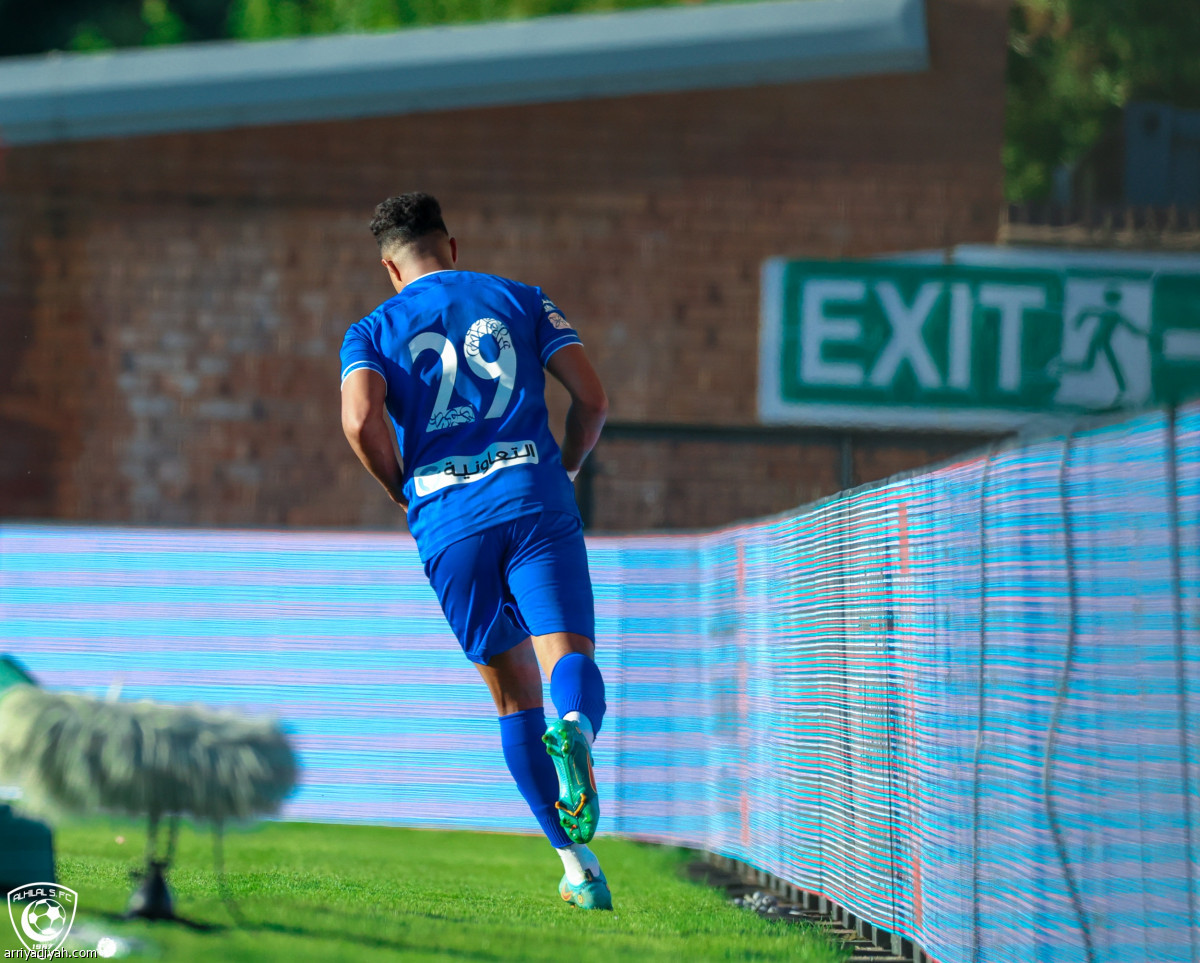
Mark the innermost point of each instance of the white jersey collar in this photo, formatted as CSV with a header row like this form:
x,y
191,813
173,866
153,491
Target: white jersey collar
x,y
431,273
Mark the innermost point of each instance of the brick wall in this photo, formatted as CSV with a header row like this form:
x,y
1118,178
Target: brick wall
x,y
674,479
171,306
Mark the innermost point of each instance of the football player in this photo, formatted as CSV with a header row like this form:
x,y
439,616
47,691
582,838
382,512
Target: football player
x,y
457,361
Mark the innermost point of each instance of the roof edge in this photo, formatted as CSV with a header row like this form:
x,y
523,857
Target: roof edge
x,y
62,97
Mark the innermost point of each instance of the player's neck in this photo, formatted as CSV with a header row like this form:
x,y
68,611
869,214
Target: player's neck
x,y
417,268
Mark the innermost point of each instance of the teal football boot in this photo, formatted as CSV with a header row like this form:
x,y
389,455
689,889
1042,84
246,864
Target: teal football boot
x,y
591,894
578,803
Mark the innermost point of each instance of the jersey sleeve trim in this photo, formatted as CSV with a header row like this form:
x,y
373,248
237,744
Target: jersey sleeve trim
x,y
355,365
569,337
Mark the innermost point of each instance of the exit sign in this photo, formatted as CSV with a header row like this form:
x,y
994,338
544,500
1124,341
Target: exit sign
x,y
882,345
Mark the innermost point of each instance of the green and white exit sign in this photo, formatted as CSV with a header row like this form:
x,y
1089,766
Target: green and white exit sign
x,y
884,345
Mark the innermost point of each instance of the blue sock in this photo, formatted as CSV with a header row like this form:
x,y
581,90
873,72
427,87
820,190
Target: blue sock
x,y
525,754
576,685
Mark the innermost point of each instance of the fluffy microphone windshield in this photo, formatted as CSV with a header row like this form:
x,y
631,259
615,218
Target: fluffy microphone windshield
x,y
75,755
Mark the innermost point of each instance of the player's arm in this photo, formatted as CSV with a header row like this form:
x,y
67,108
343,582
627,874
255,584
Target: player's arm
x,y
589,404
364,420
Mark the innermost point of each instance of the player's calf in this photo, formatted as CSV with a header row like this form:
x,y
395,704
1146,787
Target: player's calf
x,y
525,756
577,689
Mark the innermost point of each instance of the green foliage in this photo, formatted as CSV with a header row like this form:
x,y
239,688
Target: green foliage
x,y
108,25
1072,66
27,27
260,19
89,37
154,25
86,25
364,893
163,25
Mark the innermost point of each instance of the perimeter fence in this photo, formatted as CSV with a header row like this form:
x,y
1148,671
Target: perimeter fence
x,y
963,704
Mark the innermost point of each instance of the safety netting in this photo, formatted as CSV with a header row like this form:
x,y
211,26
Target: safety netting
x,y
962,704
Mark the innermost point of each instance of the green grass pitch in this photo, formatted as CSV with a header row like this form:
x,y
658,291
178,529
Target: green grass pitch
x,y
361,893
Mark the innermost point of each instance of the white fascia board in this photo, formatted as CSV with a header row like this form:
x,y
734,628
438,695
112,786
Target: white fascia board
x,y
1049,258
1061,259
237,84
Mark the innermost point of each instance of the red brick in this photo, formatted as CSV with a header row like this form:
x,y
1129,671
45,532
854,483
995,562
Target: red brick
x,y
171,307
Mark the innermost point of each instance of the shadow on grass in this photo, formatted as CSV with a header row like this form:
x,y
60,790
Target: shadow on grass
x,y
193,925
283,929
378,943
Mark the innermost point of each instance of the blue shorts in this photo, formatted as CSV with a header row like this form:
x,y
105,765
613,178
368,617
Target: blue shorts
x,y
525,577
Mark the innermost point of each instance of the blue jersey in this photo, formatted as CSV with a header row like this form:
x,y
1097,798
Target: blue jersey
x,y
463,356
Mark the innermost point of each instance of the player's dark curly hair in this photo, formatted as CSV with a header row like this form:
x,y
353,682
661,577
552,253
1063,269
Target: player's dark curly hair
x,y
406,217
